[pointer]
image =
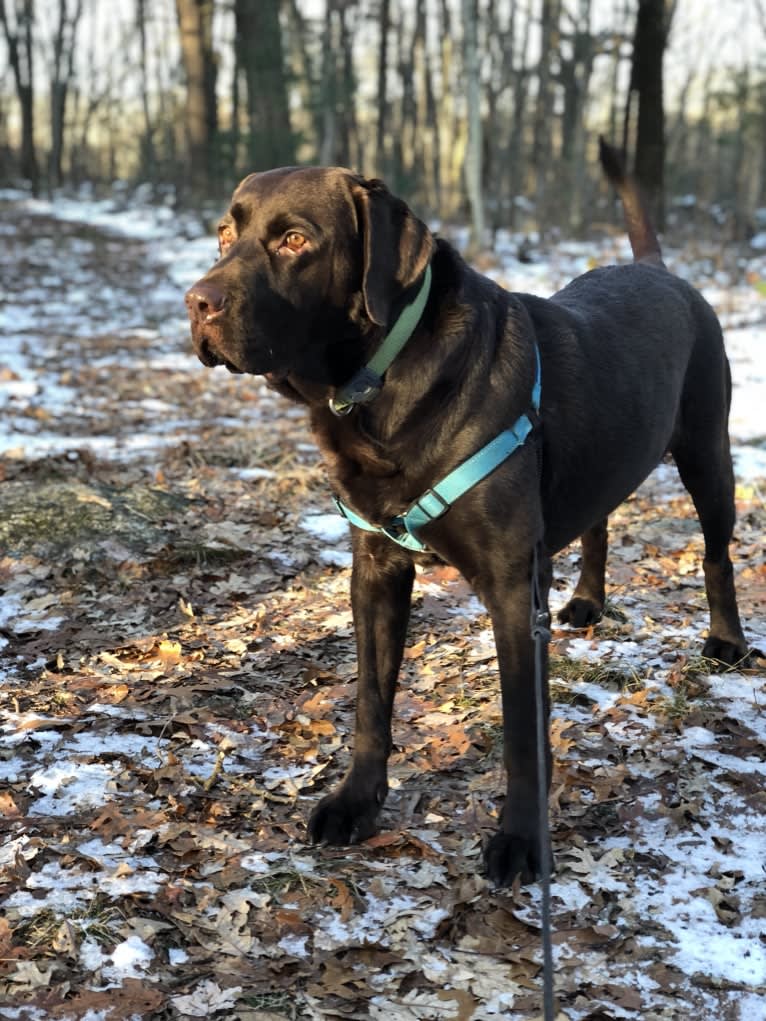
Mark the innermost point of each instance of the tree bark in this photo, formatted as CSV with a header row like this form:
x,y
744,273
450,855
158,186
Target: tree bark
x,y
575,75
473,156
195,21
384,29
260,58
62,73
19,36
542,149
650,40
148,153
520,91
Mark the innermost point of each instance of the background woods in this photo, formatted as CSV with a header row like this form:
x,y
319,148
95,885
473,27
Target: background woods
x,y
461,105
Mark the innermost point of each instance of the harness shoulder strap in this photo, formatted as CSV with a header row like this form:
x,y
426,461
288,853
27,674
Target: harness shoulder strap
x,y
437,500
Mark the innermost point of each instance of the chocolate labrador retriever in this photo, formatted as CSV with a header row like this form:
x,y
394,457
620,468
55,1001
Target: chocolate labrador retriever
x,y
489,428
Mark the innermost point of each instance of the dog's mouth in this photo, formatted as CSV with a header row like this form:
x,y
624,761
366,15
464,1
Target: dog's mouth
x,y
211,357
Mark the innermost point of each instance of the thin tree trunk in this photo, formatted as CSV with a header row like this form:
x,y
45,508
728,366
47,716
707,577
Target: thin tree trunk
x,y
148,153
575,74
328,134
452,130
195,20
542,149
21,58
652,25
429,117
740,185
350,153
260,57
520,92
310,85
384,28
473,157
61,78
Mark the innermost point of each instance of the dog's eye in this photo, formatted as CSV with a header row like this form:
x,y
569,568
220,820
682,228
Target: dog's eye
x,y
226,238
293,241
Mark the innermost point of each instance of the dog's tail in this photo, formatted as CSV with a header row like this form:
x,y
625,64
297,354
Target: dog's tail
x,y
643,239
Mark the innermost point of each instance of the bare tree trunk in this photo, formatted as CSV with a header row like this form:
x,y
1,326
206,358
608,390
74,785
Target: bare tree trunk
x,y
428,114
520,91
19,37
384,23
740,185
260,57
351,150
336,129
405,130
542,150
652,27
62,73
702,151
677,140
452,129
148,153
195,21
328,130
620,16
499,35
309,75
575,75
473,157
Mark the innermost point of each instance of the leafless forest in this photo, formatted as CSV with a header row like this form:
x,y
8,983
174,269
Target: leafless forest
x,y
480,108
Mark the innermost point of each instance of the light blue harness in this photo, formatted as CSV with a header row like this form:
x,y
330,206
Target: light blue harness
x,y
436,501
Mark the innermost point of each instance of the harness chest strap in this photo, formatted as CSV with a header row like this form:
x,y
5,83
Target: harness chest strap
x,y
436,501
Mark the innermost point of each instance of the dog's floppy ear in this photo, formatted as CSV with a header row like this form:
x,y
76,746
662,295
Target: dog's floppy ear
x,y
396,247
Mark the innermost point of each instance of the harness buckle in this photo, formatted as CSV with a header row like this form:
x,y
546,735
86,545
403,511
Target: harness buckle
x,y
395,529
442,505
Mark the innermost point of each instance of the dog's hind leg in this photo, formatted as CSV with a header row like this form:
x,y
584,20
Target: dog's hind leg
x,y
587,602
706,472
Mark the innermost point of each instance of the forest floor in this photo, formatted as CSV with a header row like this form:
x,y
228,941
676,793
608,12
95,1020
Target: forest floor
x,y
177,684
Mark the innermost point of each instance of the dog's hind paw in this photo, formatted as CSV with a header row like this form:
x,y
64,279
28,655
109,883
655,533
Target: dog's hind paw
x,y
733,654
508,855
580,611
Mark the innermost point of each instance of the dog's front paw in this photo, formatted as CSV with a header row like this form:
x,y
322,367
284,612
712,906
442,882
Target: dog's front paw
x,y
508,855
580,611
346,816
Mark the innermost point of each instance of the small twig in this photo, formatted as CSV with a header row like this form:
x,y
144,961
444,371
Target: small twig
x,y
217,770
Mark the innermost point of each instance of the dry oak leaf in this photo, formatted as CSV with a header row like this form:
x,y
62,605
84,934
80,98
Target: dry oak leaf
x,y
207,999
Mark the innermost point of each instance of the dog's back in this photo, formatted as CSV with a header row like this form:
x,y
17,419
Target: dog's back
x,y
628,351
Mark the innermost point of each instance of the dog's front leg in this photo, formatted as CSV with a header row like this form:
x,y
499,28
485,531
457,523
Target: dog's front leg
x,y
381,590
516,850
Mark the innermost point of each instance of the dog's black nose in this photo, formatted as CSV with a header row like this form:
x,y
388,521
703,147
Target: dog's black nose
x,y
205,300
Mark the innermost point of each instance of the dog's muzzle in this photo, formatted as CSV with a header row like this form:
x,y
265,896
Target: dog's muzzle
x,y
206,305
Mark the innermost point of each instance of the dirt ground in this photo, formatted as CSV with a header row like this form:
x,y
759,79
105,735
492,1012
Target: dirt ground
x,y
177,689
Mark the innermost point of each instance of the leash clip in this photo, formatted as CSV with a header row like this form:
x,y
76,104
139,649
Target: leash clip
x,y
363,387
541,626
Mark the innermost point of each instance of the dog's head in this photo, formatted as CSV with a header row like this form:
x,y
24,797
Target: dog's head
x,y
315,263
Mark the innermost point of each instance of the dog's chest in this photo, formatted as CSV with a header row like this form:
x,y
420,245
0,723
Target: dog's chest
x,y
363,475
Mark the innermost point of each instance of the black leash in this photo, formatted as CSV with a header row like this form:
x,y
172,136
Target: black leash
x,y
541,635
